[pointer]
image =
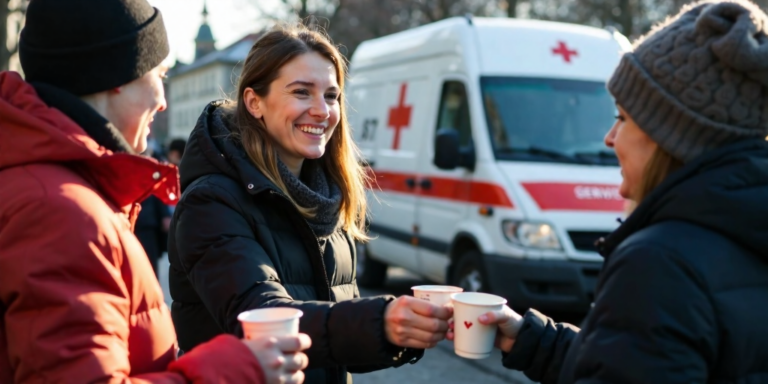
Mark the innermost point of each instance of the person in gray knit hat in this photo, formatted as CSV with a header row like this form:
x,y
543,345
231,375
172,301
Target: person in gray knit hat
x,y
697,82
683,291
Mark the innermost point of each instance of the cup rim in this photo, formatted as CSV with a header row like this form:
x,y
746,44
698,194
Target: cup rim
x,y
489,299
285,313
437,288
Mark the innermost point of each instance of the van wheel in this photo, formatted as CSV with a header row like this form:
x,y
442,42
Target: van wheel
x,y
469,273
370,273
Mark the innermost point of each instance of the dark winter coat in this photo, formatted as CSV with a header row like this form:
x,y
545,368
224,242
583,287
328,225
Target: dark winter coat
x,y
149,228
683,295
238,243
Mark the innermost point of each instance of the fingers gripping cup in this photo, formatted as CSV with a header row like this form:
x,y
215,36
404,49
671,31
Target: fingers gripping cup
x,y
270,322
472,339
436,294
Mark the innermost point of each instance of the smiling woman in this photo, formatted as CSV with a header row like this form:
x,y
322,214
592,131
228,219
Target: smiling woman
x,y
274,200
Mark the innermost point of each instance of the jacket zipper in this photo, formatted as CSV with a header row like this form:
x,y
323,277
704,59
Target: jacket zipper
x,y
308,231
332,375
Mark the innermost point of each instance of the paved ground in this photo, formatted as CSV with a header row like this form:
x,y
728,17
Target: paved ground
x,y
439,365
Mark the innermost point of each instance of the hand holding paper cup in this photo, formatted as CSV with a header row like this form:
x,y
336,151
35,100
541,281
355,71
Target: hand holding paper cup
x,y
436,294
272,335
472,339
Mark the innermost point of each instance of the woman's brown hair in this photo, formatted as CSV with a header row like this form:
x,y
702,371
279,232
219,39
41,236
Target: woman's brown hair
x,y
659,167
262,66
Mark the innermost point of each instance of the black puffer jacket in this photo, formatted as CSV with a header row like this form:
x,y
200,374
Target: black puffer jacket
x,y
239,244
683,295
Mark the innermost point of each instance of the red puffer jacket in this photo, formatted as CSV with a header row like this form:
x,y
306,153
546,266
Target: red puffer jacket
x,y
79,302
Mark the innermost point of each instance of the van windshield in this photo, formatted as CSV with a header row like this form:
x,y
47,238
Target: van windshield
x,y
554,120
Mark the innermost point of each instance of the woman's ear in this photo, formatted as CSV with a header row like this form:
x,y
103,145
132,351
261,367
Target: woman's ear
x,y
252,103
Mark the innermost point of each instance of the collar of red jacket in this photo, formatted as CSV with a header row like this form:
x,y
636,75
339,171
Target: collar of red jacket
x,y
31,132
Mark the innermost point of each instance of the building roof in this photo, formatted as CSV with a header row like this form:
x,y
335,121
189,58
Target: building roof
x,y
232,54
204,34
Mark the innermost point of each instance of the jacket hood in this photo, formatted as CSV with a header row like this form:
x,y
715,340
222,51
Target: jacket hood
x,y
724,191
212,149
31,132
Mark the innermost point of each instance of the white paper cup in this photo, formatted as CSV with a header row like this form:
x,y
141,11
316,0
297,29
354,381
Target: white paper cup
x,y
270,322
474,340
436,294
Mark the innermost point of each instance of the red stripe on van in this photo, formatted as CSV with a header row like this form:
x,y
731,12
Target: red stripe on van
x,y
476,192
576,196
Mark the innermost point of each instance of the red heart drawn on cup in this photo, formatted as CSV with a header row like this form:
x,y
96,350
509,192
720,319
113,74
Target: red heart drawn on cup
x,y
468,324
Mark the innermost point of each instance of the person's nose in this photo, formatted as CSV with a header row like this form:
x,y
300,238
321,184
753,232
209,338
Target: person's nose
x,y
163,104
160,94
320,109
610,136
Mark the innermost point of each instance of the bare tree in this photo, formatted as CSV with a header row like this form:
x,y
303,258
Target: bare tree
x,y
300,7
350,22
510,6
355,21
5,54
631,17
11,21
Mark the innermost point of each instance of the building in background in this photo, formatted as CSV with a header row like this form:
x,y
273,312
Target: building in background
x,y
204,42
212,75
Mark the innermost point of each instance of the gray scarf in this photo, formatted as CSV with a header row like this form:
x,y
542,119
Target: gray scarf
x,y
314,190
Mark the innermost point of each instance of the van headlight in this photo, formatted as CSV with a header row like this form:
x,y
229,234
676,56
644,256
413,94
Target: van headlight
x,y
531,235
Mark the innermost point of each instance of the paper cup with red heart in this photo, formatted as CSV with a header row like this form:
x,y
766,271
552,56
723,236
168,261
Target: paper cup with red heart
x,y
473,340
436,294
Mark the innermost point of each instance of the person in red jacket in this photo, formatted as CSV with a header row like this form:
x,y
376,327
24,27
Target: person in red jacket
x,y
79,302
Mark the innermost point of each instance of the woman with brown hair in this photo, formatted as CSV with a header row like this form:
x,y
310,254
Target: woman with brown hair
x,y
273,201
683,292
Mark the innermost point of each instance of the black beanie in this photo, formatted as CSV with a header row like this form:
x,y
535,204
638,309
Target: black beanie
x,y
89,46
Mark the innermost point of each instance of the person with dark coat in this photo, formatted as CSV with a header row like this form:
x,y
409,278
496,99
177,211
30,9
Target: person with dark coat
x,y
152,227
176,151
273,202
682,295
78,300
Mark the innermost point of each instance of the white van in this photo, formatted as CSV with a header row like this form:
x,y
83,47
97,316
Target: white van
x,y
485,136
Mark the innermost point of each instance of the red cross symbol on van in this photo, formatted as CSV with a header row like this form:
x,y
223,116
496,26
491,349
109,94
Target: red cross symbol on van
x,y
563,50
399,116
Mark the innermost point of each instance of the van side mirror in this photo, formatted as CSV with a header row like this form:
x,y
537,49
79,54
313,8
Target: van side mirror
x,y
449,154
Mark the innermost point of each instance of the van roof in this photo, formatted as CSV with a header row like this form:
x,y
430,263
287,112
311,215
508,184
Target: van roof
x,y
503,46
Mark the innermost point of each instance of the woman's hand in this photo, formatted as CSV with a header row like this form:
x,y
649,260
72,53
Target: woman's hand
x,y
509,323
414,323
281,358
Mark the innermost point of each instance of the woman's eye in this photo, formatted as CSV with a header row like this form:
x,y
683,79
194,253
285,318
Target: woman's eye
x,y
332,96
302,92
619,117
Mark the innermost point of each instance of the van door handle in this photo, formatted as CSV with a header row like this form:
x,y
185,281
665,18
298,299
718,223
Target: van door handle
x,y
425,184
410,182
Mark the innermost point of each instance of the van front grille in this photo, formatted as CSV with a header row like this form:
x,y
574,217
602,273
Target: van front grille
x,y
585,240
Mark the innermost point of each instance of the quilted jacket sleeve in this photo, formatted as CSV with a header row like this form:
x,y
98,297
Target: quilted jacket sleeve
x,y
653,322
540,347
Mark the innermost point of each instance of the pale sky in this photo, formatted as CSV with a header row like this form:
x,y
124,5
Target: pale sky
x,y
229,20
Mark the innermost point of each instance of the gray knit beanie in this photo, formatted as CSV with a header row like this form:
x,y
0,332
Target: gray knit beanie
x,y
699,80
